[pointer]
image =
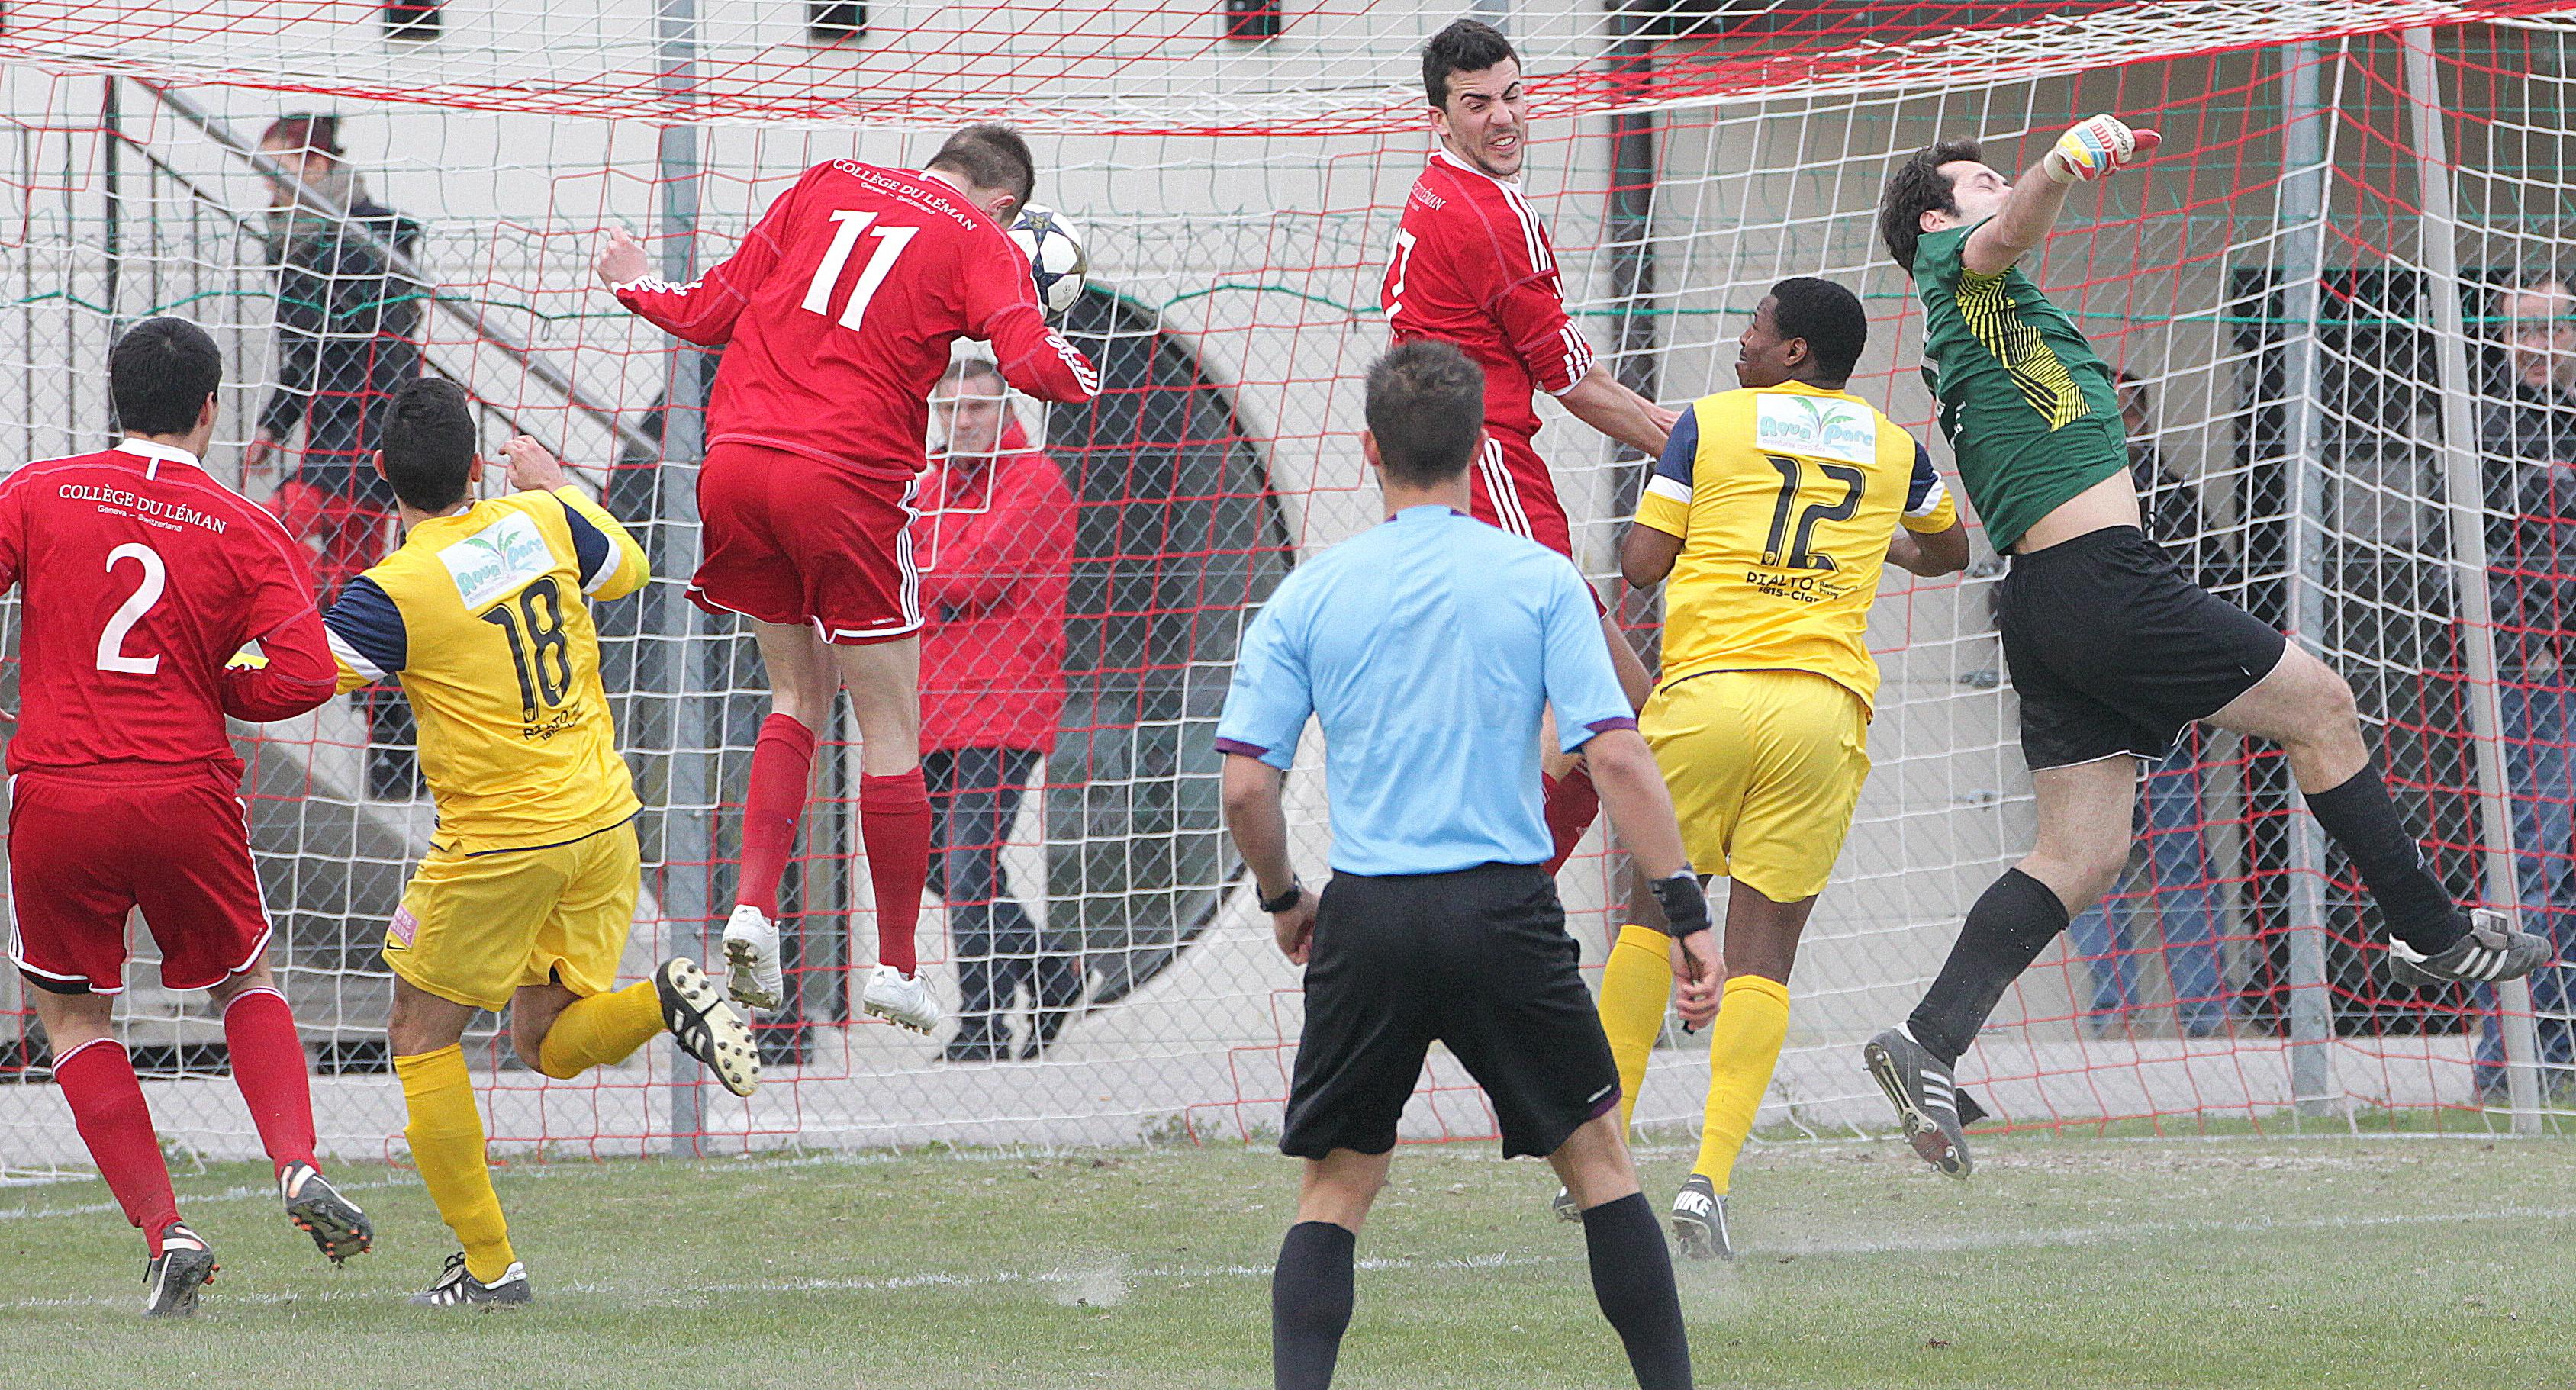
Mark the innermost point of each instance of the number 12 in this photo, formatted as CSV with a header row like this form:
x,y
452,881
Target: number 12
x,y
1791,473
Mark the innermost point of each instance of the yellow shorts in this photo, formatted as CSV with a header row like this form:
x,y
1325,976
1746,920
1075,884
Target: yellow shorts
x,y
1765,768
473,928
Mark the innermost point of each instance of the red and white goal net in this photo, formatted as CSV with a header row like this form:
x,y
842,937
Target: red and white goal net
x,y
2332,288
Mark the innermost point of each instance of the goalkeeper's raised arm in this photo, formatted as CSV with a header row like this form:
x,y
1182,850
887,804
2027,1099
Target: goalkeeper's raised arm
x,y
1951,185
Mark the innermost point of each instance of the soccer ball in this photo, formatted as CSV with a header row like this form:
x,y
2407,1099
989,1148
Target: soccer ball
x,y
1056,259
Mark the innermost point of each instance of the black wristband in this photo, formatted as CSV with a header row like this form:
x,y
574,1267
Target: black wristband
x,y
1685,906
1288,896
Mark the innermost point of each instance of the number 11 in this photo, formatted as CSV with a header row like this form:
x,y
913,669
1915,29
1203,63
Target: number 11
x,y
890,244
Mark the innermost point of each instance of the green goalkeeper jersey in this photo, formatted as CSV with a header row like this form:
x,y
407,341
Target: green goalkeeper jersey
x,y
2030,412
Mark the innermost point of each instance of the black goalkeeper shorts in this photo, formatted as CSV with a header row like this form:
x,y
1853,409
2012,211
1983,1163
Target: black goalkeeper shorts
x,y
1478,960
2114,650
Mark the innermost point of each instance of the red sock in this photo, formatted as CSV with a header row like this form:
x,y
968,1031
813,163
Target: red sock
x,y
894,824
107,1104
1571,806
268,1066
782,766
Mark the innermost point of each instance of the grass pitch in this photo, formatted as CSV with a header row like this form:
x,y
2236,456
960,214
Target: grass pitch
x,y
2217,1262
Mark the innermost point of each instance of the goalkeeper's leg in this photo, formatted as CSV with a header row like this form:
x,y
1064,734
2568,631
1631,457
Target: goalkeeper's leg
x,y
2308,709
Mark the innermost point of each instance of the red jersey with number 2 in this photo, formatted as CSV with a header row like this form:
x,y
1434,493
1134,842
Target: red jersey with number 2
x,y
836,315
140,579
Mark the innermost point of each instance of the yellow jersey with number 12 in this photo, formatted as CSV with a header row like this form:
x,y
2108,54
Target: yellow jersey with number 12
x,y
1785,499
484,616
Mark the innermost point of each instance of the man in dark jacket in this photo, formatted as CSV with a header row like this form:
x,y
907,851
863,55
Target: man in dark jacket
x,y
348,335
2528,439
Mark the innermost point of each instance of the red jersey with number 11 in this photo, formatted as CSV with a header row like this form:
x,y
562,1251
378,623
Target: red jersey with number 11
x,y
140,577
837,312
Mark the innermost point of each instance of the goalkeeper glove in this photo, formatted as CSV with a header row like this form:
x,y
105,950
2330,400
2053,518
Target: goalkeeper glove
x,y
1685,906
2096,149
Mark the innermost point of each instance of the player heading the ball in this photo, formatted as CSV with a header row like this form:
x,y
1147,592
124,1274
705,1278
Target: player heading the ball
x,y
145,584
2113,649
836,315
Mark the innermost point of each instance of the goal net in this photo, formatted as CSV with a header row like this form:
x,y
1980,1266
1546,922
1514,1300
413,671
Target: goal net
x,y
2334,290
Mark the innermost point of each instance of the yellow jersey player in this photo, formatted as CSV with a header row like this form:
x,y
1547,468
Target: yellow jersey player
x,y
1769,515
528,892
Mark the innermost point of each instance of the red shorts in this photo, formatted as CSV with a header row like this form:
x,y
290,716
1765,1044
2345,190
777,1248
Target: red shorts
x,y
345,535
1513,490
791,540
82,854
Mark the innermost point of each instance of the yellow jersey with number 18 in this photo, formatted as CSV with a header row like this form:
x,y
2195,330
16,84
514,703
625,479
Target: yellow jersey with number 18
x,y
1785,499
484,616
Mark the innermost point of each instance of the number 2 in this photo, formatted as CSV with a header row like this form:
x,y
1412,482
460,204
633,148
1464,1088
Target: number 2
x,y
890,244
1799,557
111,640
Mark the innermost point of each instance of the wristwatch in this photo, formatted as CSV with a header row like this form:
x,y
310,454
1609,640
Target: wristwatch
x,y
1287,898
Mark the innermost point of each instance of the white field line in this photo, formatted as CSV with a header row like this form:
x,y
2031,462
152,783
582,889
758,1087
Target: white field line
x,y
629,1295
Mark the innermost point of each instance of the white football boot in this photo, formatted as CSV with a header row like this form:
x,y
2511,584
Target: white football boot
x,y
902,1000
751,950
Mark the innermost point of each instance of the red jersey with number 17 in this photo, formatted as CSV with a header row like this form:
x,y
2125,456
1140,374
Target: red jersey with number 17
x,y
140,578
837,311
1473,266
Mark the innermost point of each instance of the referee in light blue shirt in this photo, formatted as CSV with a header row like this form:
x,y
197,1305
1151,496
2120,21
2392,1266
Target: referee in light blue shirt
x,y
1430,648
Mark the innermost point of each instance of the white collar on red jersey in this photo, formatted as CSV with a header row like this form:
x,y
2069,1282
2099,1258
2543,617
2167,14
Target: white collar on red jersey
x,y
155,455
1441,153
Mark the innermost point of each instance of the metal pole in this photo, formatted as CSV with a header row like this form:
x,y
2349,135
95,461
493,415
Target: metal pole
x,y
463,310
691,791
2465,495
1632,240
112,191
2303,222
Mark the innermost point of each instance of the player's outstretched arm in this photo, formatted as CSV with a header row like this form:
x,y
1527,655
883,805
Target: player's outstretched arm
x,y
292,673
1599,400
1932,554
2090,151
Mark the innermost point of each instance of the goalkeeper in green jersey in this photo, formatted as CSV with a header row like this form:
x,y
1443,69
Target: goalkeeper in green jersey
x,y
2113,650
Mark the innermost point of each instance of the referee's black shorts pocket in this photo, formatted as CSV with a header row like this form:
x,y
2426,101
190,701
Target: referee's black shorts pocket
x,y
1517,1016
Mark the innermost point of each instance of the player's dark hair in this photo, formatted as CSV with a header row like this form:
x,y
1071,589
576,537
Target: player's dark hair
x,y
1918,186
1426,409
304,131
159,375
990,155
428,443
1829,318
1468,45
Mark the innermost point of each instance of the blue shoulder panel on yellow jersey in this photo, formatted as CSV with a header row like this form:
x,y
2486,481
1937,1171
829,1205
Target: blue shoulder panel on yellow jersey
x,y
1681,452
591,549
367,629
1924,481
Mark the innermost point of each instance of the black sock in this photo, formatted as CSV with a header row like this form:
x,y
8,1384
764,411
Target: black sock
x,y
1310,1304
2012,922
1632,1276
2359,818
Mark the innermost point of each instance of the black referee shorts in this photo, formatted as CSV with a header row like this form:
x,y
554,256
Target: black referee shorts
x,y
2114,650
1476,959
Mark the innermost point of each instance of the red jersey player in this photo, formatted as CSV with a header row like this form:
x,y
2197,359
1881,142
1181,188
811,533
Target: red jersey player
x,y
1473,265
836,315
141,580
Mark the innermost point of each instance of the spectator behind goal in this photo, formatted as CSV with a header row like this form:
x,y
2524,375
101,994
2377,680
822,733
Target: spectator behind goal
x,y
995,544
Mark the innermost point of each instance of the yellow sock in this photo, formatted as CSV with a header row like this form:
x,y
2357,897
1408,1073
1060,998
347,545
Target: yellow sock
x,y
446,1134
600,1031
1636,983
1743,1051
